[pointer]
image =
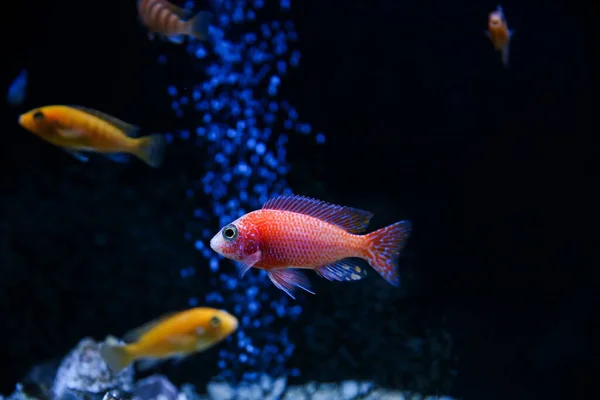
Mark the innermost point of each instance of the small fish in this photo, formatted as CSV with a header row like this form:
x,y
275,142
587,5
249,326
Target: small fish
x,y
17,89
167,20
176,335
77,130
293,232
499,33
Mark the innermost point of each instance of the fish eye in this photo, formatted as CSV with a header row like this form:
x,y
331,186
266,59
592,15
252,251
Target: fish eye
x,y
230,232
215,321
38,116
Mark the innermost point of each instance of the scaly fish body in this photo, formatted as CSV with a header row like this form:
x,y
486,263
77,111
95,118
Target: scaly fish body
x,y
175,335
292,239
499,34
78,129
296,232
166,19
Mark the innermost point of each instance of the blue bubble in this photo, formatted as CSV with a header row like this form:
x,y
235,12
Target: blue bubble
x,y
200,52
172,90
295,58
261,148
320,138
281,67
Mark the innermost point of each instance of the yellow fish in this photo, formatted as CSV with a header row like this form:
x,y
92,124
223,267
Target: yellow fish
x,y
77,129
175,335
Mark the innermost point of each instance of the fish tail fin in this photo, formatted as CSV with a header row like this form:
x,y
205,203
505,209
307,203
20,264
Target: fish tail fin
x,y
384,247
151,149
116,356
199,25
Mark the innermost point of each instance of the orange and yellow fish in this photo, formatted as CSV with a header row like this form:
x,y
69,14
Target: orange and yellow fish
x,y
175,335
167,20
78,130
292,232
499,33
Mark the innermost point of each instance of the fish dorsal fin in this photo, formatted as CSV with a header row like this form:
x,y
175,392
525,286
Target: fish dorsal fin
x,y
134,334
350,219
180,12
129,129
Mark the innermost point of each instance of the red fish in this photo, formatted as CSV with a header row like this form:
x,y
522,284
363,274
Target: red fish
x,y
166,19
294,232
499,33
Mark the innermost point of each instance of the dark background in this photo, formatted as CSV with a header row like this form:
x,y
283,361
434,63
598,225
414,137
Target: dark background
x,y
494,167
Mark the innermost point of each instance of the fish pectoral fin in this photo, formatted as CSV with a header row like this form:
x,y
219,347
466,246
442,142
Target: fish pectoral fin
x,y
289,279
348,269
249,261
78,155
70,133
185,341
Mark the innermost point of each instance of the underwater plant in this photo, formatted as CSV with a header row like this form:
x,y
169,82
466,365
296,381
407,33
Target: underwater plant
x,y
243,125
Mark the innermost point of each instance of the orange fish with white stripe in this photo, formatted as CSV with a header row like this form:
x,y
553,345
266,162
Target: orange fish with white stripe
x,y
292,232
499,33
78,130
175,335
167,20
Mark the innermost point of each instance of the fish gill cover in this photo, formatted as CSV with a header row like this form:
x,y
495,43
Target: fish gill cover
x,y
232,91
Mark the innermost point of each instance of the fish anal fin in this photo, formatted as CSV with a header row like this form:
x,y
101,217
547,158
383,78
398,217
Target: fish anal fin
x,y
70,133
348,269
249,261
350,219
120,158
177,39
289,279
129,129
134,334
77,155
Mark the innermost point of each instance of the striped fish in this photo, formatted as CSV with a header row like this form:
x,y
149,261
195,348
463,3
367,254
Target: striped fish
x,y
167,20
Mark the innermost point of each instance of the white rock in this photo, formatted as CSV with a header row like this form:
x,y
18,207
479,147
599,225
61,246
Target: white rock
x,y
265,382
249,392
349,390
296,393
220,391
277,389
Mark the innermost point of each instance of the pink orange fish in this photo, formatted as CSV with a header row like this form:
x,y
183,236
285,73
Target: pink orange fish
x,y
292,232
